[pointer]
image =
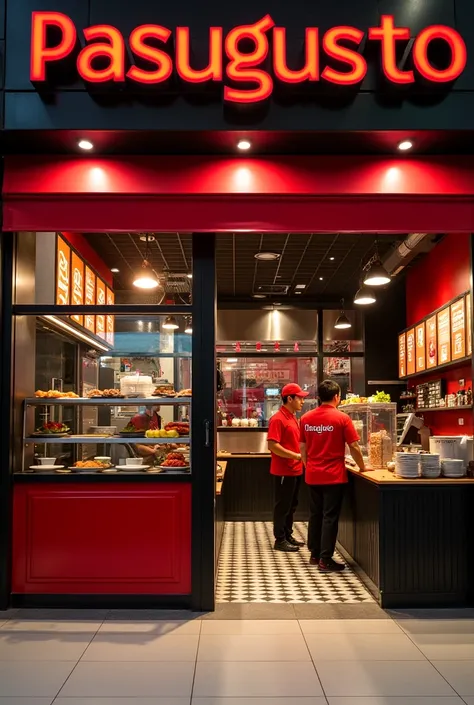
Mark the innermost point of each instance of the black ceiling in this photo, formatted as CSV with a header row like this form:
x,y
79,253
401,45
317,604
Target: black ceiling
x,y
304,259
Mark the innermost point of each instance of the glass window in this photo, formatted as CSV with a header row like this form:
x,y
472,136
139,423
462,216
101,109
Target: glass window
x,y
347,340
348,372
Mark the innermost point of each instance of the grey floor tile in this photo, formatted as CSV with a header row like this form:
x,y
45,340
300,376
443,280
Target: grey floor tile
x,y
151,628
42,646
251,611
61,615
130,679
120,701
460,674
259,701
349,626
436,626
251,626
142,647
381,678
252,647
468,700
366,611
433,614
445,646
257,679
154,615
396,701
32,679
362,647
25,701
50,627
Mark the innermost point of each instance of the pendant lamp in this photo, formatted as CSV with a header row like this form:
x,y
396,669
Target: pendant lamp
x,y
364,296
146,277
342,321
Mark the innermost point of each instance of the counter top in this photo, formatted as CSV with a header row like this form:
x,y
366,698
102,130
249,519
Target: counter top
x,y
230,456
76,478
384,477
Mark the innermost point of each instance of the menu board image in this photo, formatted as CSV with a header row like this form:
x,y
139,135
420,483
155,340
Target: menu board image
x,y
468,326
444,337
420,348
411,354
458,330
110,320
89,321
100,320
431,343
402,355
77,285
63,271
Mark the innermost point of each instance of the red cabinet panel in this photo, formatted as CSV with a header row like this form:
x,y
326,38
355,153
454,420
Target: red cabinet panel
x,y
119,539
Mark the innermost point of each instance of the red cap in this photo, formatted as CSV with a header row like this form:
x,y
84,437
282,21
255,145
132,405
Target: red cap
x,y
293,390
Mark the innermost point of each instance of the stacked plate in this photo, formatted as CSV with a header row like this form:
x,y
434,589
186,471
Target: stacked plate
x,y
430,465
453,468
407,465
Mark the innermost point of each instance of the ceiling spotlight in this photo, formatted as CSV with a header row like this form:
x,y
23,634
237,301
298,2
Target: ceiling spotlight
x,y
114,270
331,259
259,296
243,145
364,296
267,256
321,279
170,323
342,322
85,144
404,145
376,274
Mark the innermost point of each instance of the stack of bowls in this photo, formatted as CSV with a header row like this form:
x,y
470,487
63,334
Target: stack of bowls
x,y
453,468
430,465
407,465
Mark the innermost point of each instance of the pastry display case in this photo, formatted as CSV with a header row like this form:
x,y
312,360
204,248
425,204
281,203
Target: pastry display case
x,y
376,424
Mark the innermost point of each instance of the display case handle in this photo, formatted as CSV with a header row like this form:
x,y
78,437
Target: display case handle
x,y
207,431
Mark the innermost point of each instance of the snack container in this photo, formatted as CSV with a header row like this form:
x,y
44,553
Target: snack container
x,y
376,425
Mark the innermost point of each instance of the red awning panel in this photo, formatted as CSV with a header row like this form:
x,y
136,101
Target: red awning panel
x,y
292,194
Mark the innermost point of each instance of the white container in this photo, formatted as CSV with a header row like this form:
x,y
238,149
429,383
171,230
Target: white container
x,y
133,461
137,385
453,447
47,461
103,458
103,430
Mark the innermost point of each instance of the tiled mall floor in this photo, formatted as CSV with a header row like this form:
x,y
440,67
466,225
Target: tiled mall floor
x,y
124,658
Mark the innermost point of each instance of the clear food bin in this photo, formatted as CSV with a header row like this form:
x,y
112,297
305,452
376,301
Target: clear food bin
x,y
376,425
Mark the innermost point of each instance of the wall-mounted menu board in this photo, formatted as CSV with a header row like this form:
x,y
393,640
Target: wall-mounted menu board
x,y
458,330
63,272
431,343
444,336
468,325
77,286
89,321
420,347
110,320
402,355
100,320
411,352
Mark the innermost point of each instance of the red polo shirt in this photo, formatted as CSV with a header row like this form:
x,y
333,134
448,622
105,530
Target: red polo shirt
x,y
284,429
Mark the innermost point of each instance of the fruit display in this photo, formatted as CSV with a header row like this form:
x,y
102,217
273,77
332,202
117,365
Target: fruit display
x,y
52,428
162,433
105,394
182,427
55,394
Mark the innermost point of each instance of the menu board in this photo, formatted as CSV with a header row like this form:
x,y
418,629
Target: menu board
x,y
402,355
100,320
431,343
110,320
411,353
89,321
468,326
77,286
444,336
420,348
63,271
458,330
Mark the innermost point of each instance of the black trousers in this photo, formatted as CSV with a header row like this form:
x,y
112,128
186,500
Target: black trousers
x,y
325,502
286,501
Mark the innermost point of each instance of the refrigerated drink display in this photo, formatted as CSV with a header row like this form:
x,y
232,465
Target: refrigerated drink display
x,y
376,425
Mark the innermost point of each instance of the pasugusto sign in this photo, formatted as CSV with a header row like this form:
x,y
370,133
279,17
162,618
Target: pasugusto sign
x,y
248,60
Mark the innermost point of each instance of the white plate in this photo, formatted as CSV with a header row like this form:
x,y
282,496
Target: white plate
x,y
134,467
46,467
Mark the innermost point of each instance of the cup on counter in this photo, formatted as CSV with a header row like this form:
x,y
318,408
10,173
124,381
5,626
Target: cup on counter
x,y
133,461
47,461
103,458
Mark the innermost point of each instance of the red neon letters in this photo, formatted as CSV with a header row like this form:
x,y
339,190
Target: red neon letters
x,y
248,76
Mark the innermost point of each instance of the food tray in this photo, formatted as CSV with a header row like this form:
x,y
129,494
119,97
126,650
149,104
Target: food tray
x,y
132,434
166,468
38,434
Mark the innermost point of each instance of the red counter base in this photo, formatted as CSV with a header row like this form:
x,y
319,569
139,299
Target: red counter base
x,y
102,540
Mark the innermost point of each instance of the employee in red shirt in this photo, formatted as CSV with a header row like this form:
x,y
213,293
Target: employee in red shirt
x,y
286,466
324,434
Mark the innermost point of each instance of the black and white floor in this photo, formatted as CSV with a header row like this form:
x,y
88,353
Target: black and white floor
x,y
250,571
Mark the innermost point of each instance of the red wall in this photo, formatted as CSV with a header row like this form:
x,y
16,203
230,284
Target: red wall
x,y
90,255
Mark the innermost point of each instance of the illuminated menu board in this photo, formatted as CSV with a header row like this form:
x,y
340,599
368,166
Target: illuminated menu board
x,y
89,321
100,320
420,348
63,272
110,320
402,355
444,336
431,343
77,285
458,330
468,325
411,353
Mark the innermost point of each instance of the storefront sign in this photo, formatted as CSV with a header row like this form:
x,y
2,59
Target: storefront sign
x,y
420,348
89,321
431,343
468,325
63,271
458,330
411,353
110,320
77,290
402,355
333,57
100,320
444,337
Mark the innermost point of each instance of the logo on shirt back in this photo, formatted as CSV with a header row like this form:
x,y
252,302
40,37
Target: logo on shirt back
x,y
319,429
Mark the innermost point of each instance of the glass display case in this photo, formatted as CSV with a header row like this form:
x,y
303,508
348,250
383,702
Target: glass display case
x,y
376,425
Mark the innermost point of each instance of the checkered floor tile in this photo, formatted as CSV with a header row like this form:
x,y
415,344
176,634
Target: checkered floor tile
x,y
251,571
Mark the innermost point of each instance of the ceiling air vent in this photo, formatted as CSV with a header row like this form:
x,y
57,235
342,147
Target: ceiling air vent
x,y
272,289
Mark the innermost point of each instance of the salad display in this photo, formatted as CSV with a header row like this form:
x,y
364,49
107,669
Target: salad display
x,y
53,428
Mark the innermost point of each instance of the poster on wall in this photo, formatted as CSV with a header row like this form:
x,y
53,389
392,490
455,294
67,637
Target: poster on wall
x,y
444,337
420,348
402,355
110,320
63,271
411,353
468,326
431,343
89,321
100,320
77,285
458,330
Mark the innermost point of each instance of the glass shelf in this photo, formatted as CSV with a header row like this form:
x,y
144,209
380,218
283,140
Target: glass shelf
x,y
107,439
129,401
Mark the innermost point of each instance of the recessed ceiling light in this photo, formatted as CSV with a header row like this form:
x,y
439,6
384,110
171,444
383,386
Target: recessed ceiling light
x,y
267,256
405,145
243,145
321,279
259,296
300,286
114,270
298,292
332,259
85,144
